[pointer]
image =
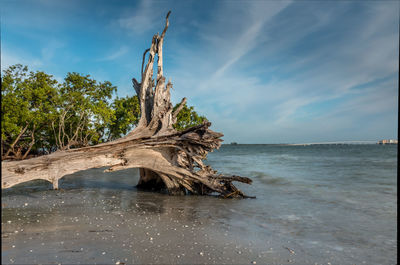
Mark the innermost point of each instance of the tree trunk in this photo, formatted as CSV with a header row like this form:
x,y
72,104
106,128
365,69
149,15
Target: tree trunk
x,y
11,149
168,159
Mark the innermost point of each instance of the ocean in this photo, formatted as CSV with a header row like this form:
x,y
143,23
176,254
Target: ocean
x,y
315,204
340,198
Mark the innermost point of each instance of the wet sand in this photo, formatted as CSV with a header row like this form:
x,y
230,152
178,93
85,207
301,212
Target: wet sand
x,y
101,218
107,221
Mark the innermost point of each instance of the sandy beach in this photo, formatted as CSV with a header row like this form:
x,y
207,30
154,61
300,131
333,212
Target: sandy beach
x,y
337,212
119,224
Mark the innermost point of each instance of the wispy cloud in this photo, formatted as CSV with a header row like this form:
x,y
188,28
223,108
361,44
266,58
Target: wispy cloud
x,y
261,71
284,78
246,40
9,58
48,52
142,18
116,54
44,57
35,64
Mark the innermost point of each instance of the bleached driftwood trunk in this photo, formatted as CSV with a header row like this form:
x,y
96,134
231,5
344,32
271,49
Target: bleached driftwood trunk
x,y
168,159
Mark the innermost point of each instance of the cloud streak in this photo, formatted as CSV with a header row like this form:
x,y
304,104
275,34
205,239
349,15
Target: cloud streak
x,y
116,54
277,91
142,18
261,71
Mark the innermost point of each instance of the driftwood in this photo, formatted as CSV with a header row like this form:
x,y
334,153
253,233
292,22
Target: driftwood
x,y
168,159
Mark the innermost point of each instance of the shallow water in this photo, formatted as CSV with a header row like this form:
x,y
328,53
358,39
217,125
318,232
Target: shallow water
x,y
315,204
341,198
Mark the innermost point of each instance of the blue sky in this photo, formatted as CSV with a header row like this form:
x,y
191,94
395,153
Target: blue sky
x,y
260,71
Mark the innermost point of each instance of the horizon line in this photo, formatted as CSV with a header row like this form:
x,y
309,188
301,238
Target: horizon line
x,y
315,143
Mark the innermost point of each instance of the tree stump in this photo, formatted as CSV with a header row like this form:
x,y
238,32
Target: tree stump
x,y
168,159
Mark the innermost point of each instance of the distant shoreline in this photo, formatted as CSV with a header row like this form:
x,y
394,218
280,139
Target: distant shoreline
x,y
327,143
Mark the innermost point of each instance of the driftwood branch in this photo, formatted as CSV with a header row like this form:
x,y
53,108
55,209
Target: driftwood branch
x,y
31,143
168,159
11,148
178,109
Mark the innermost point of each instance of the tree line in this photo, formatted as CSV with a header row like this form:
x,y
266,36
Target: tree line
x,y
39,115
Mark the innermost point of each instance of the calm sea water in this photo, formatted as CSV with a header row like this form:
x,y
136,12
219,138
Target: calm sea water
x,y
327,203
337,197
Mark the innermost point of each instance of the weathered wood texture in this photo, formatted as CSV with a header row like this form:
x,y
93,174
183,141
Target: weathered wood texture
x,y
168,159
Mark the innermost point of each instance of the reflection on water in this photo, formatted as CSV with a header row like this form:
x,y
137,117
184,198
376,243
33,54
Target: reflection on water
x,y
327,203
95,211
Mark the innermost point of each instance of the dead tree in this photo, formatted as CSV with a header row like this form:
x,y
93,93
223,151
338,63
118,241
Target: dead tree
x,y
168,159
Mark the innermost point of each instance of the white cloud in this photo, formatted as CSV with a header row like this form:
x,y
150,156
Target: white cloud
x,y
142,18
223,82
116,54
49,51
34,59
8,58
254,67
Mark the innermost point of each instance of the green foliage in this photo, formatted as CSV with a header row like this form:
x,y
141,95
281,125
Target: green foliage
x,y
28,107
187,118
126,115
13,106
83,111
39,115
